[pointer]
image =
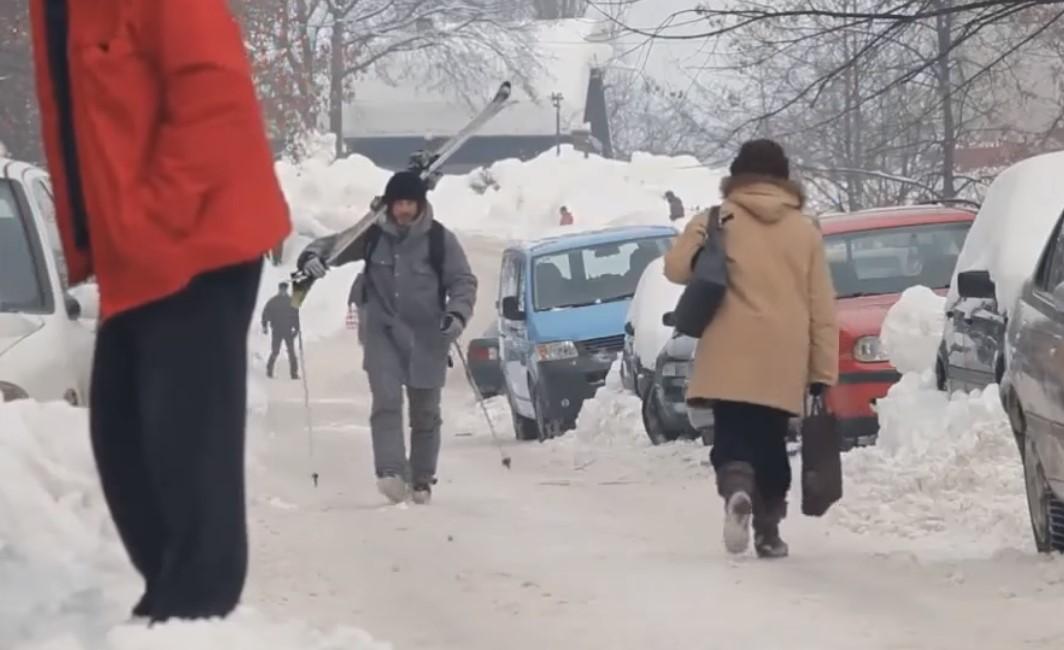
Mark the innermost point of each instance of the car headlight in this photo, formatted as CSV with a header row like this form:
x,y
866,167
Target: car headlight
x,y
556,351
11,392
869,349
674,369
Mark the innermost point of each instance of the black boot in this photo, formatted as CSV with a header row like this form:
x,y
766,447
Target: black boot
x,y
767,518
735,484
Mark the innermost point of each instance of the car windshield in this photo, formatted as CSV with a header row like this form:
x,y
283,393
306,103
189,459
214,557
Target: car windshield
x,y
21,273
891,260
593,275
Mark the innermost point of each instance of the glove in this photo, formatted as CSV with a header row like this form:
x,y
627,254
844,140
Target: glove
x,y
817,389
315,267
452,326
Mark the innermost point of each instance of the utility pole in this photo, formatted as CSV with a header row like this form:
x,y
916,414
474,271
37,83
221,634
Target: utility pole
x,y
556,99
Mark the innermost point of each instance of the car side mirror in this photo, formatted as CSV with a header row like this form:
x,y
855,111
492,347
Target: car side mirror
x,y
668,319
73,307
629,330
976,284
510,310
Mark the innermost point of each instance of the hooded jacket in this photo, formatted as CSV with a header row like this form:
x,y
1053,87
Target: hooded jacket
x,y
775,332
155,143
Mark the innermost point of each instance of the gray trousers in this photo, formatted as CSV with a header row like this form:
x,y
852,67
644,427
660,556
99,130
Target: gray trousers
x,y
386,426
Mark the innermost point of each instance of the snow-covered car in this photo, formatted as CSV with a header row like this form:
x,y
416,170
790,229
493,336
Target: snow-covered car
x,y
656,360
1004,245
46,333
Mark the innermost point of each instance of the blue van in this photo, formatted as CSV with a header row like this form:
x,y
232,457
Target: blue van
x,y
562,304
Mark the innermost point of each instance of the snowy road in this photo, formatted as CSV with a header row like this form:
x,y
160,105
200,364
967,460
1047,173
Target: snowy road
x,y
587,547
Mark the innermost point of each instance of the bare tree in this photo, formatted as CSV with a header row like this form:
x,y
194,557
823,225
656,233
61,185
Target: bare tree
x,y
19,127
555,9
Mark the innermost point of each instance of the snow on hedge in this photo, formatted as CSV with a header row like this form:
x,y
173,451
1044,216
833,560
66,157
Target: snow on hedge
x,y
1021,208
67,584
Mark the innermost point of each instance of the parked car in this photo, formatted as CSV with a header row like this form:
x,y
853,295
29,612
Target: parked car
x,y
484,365
562,308
874,256
1016,219
656,360
46,334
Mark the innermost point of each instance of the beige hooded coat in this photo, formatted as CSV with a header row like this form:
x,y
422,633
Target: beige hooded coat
x,y
775,333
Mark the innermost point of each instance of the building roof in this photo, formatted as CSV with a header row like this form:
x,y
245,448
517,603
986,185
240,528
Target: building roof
x,y
568,51
894,217
586,238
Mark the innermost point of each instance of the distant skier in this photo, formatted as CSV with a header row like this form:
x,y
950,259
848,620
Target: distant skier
x,y
774,340
282,319
165,192
676,209
567,217
414,298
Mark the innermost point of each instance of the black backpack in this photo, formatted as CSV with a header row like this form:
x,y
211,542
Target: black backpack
x,y
704,293
437,232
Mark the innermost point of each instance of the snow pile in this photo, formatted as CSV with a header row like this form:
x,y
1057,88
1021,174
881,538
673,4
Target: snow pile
x,y
944,468
912,330
614,417
1016,219
654,296
509,200
66,582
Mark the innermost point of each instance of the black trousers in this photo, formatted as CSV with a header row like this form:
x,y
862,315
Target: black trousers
x,y
275,350
167,415
757,435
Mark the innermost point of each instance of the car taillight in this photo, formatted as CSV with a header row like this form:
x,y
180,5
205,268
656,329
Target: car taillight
x,y
481,353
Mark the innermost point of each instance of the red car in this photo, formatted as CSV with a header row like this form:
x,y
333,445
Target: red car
x,y
874,256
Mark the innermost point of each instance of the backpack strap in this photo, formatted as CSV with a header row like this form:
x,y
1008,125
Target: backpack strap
x,y
373,235
437,250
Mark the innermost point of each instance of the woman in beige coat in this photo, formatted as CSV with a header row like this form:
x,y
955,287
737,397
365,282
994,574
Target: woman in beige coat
x,y
773,339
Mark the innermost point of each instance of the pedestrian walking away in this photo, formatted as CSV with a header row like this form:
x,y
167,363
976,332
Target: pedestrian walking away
x,y
676,209
281,319
772,341
165,192
414,297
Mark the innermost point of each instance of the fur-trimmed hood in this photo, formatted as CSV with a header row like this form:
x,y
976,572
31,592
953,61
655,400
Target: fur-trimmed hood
x,y
767,198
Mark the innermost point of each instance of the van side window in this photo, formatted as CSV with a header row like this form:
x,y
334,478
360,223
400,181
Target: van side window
x,y
508,281
42,196
1051,275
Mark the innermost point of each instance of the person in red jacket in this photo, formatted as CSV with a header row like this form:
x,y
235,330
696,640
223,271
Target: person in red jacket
x,y
166,194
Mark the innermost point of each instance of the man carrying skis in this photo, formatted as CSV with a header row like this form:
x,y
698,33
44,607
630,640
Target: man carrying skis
x,y
283,319
415,296
165,192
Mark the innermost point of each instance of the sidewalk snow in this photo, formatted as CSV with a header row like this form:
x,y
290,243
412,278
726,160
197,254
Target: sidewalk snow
x,y
912,330
66,582
945,471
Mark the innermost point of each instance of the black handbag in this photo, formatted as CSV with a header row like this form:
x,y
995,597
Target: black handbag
x,y
821,460
705,290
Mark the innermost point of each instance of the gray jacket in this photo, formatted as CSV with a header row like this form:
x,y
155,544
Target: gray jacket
x,y
399,307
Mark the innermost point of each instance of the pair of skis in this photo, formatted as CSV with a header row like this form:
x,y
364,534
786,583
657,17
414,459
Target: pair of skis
x,y
427,164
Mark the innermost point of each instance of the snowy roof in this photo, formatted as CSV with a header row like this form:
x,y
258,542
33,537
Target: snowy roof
x,y
568,54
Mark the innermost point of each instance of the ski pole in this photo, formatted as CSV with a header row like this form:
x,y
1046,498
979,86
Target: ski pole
x,y
506,460
306,409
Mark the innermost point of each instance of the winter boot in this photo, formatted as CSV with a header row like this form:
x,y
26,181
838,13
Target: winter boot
x,y
767,518
269,372
394,488
422,494
735,483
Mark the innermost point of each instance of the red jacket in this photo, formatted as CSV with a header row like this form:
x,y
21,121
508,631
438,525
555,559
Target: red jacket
x,y
155,143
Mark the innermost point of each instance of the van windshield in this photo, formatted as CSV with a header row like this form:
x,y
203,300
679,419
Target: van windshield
x,y
891,260
21,271
593,275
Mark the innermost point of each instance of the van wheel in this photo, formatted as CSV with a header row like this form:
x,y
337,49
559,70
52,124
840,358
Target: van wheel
x,y
1047,512
547,428
524,428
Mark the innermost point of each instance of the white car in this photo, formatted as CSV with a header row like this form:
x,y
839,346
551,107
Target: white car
x,y
46,334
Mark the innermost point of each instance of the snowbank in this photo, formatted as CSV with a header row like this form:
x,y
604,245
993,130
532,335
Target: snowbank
x,y
945,469
614,417
1017,217
654,296
66,582
912,330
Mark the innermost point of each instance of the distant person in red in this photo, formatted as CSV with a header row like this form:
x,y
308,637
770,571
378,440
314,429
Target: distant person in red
x,y
166,194
567,217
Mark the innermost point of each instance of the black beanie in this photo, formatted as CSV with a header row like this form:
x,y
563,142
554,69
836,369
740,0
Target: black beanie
x,y
406,185
763,158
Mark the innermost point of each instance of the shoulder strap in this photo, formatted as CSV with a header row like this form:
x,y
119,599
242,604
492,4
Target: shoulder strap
x,y
373,235
437,249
